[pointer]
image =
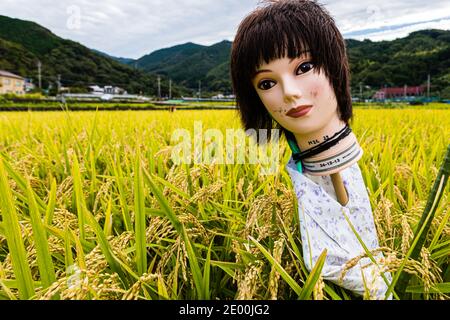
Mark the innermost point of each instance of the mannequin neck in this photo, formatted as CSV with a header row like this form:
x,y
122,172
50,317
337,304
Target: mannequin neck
x,y
309,140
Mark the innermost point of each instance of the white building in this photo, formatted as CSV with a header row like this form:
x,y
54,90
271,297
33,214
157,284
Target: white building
x,y
106,90
96,89
113,90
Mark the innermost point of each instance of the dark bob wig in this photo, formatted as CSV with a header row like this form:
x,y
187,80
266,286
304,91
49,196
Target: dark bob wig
x,y
287,28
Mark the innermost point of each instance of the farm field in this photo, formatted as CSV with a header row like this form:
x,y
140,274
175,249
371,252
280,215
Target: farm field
x,y
93,206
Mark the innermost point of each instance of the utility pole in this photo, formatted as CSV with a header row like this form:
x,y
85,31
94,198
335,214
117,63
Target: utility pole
x,y
58,84
159,87
39,74
428,87
199,89
404,91
170,88
360,91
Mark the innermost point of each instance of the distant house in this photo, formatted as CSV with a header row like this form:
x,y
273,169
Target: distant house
x,y
106,90
96,89
113,90
399,92
11,83
64,89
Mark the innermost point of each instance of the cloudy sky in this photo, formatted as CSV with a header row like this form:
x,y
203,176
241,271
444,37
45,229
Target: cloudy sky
x,y
134,28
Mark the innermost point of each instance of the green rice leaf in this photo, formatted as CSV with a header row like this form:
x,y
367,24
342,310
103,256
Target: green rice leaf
x,y
140,217
79,196
313,277
286,277
106,248
14,240
207,273
437,288
44,258
51,204
118,177
107,228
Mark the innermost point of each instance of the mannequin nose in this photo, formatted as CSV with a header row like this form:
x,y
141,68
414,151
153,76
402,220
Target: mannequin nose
x,y
292,90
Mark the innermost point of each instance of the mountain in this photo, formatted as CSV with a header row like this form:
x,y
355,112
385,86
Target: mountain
x,y
127,61
189,63
24,43
398,62
157,59
404,61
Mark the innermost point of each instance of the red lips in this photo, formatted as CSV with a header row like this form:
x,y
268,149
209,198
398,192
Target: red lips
x,y
299,111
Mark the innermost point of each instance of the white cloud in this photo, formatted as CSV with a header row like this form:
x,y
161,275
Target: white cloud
x,y
134,28
387,19
404,31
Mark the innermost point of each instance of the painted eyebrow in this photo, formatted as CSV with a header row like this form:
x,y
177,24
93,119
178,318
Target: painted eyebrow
x,y
268,70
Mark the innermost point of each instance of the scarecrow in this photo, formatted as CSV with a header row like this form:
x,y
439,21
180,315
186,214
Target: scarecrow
x,y
290,72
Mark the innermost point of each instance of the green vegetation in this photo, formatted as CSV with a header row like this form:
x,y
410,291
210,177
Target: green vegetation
x,y
24,43
36,105
393,63
93,206
189,63
405,61
36,102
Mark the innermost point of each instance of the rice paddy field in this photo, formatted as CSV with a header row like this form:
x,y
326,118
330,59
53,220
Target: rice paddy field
x,y
92,206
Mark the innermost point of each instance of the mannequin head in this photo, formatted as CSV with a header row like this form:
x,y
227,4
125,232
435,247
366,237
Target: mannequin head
x,y
286,54
284,84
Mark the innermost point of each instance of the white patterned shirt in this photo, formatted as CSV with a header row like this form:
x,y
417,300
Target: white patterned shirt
x,y
324,226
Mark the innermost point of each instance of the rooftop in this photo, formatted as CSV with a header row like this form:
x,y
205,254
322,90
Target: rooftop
x,y
4,73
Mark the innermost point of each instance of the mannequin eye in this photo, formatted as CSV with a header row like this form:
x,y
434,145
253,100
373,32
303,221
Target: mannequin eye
x,y
305,67
266,84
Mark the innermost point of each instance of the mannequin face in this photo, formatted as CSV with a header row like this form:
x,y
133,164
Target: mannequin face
x,y
283,85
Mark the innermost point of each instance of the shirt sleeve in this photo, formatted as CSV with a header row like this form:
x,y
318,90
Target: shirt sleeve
x,y
326,224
